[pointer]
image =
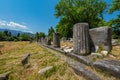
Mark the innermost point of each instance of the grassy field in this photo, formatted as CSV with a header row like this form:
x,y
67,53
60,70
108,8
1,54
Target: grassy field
x,y
12,52
10,60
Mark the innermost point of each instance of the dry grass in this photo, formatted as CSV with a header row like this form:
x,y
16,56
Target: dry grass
x,y
12,52
116,52
69,44
10,60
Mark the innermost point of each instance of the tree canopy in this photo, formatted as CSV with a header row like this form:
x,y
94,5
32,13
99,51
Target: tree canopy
x,y
115,6
115,23
74,11
39,35
7,36
50,33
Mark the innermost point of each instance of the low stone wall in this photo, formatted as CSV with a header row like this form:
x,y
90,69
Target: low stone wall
x,y
111,66
80,69
82,59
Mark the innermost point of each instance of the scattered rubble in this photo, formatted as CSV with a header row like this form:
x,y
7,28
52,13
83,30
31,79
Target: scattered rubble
x,y
104,53
5,76
115,42
96,54
44,70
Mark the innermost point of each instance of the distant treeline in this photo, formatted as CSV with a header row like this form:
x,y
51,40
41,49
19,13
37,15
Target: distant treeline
x,y
7,36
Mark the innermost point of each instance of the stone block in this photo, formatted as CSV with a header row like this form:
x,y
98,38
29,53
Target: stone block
x,y
100,38
25,59
111,66
56,40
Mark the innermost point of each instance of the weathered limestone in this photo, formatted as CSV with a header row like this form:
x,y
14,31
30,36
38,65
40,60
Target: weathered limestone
x,y
81,39
80,69
5,76
48,41
56,39
82,59
44,70
42,40
100,39
111,66
25,59
115,42
68,50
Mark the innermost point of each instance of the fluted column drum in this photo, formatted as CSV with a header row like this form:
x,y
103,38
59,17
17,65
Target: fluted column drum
x,y
56,39
81,42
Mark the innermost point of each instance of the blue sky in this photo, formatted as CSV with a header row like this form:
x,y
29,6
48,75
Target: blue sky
x,y
31,15
34,15
108,17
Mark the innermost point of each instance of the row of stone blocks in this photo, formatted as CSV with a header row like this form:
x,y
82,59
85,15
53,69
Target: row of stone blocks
x,y
86,40
56,40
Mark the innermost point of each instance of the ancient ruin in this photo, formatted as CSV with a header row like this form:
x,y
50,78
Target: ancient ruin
x,y
56,39
86,41
81,39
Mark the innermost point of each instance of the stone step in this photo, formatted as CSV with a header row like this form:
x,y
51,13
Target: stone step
x,y
111,66
81,69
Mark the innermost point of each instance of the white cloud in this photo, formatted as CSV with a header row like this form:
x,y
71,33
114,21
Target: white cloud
x,y
16,25
12,25
2,23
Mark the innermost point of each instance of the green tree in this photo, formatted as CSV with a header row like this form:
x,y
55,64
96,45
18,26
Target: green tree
x,y
42,34
74,11
115,23
50,33
115,6
2,36
9,34
6,33
24,37
37,36
18,35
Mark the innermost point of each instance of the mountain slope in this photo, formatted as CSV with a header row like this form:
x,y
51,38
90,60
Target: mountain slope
x,y
15,32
